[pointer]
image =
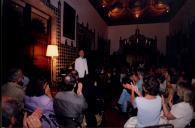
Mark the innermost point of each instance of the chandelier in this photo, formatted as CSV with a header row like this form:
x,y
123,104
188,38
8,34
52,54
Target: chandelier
x,y
116,9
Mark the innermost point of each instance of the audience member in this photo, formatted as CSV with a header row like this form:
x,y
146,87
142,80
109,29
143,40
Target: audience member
x,y
125,95
10,113
38,95
13,87
137,80
163,84
69,107
181,113
149,106
74,106
25,81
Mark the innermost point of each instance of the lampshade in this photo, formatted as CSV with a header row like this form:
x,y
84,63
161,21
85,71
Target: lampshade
x,y
52,50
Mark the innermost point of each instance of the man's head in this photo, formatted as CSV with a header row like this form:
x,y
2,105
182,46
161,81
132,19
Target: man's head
x,y
15,75
69,83
37,87
81,53
75,74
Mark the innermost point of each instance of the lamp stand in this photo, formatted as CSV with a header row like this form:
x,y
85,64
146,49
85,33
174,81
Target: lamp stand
x,y
52,70
52,51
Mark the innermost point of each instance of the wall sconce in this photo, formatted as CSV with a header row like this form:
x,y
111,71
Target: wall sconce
x,y
52,51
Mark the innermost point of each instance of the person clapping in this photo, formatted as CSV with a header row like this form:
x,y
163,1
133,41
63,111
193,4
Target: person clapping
x,y
149,105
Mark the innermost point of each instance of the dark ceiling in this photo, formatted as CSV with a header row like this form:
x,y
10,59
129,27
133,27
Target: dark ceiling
x,y
123,12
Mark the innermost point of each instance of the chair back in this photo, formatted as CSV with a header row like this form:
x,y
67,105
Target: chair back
x,y
161,126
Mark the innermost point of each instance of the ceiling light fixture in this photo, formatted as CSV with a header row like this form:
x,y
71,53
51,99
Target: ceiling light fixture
x,y
117,9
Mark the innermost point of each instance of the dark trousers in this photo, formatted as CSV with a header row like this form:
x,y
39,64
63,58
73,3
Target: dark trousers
x,y
85,84
82,80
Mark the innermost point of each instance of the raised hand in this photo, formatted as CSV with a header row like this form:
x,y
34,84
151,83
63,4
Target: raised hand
x,y
127,86
37,113
79,89
170,101
33,121
162,99
135,89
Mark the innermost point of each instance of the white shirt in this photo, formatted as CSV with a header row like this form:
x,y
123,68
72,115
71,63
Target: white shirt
x,y
148,111
183,113
163,86
81,67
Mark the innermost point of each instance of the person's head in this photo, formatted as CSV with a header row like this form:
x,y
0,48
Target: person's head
x,y
182,78
135,76
75,74
81,53
188,95
180,88
126,80
166,73
151,86
140,74
38,87
161,79
15,75
184,92
10,113
69,83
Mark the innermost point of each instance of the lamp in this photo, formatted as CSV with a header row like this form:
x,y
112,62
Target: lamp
x,y
52,51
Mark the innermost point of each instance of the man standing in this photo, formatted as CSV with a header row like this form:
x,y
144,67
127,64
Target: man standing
x,y
81,65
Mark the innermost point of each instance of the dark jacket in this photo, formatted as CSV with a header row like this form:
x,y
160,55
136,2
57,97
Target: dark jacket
x,y
69,106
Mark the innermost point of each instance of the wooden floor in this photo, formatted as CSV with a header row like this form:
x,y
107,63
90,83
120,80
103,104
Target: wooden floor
x,y
112,117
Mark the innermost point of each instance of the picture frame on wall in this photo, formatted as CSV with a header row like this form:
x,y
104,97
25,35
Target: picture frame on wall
x,y
40,21
69,21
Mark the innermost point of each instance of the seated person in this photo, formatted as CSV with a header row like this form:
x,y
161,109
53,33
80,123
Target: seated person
x,y
149,106
25,82
10,113
181,113
13,87
163,85
124,98
38,95
69,106
136,79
